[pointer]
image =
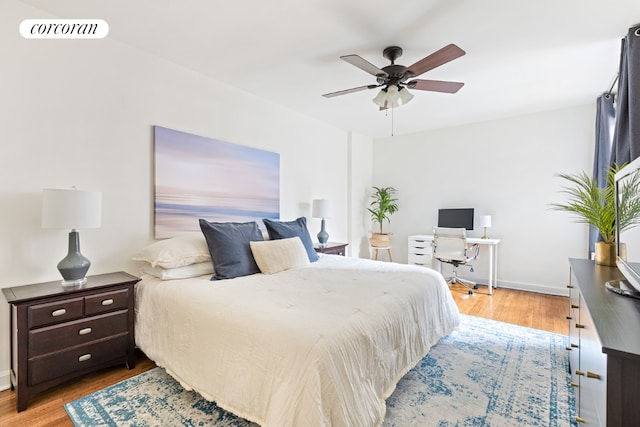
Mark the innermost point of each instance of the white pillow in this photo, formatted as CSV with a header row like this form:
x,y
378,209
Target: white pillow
x,y
273,256
185,272
186,249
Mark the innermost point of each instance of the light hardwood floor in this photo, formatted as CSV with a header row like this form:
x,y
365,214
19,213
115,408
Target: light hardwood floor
x,y
533,310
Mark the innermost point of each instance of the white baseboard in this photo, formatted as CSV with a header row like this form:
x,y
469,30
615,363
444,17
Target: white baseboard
x,y
531,287
519,286
5,380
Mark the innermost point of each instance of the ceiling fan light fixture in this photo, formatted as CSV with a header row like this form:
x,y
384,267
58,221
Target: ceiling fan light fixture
x,y
381,98
405,95
393,95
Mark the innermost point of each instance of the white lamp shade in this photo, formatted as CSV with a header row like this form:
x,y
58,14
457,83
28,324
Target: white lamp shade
x,y
322,208
485,221
71,208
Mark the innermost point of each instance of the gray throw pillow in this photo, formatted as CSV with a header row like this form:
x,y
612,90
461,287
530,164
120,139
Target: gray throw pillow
x,y
228,244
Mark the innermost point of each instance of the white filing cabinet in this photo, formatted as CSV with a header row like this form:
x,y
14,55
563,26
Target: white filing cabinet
x,y
419,251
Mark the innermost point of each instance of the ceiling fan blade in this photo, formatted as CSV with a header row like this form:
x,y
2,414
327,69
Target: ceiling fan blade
x,y
346,91
435,85
436,59
363,64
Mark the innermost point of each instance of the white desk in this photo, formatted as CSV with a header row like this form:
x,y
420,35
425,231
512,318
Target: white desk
x,y
420,249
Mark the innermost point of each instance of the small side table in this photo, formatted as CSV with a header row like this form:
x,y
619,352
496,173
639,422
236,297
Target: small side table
x,y
375,250
332,248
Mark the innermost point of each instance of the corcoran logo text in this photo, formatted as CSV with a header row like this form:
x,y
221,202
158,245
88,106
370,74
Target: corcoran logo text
x,y
64,29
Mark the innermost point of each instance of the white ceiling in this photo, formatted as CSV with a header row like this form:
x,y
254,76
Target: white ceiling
x,y
521,57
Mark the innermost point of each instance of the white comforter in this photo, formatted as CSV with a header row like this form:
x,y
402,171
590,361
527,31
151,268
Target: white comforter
x,y
322,345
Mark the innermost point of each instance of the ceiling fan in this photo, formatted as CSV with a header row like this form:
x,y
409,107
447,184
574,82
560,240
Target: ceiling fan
x,y
396,78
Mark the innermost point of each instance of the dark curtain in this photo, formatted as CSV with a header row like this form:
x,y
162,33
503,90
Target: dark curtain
x,y
626,140
605,122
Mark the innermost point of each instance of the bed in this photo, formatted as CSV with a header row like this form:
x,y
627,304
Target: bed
x,y
319,344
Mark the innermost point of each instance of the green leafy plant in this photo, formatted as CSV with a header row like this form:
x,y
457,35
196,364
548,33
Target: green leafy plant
x,y
383,205
596,206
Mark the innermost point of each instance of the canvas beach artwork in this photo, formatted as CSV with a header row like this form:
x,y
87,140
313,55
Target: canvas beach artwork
x,y
199,177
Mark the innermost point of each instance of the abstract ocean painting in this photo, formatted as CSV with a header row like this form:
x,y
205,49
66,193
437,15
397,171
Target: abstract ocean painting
x,y
199,177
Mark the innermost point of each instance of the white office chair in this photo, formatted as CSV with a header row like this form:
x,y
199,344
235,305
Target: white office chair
x,y
450,246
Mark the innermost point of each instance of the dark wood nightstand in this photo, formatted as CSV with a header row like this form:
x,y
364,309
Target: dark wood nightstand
x,y
332,248
59,333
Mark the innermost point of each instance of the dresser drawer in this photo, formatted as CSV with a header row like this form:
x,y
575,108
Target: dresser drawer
x,y
54,312
106,301
54,365
59,337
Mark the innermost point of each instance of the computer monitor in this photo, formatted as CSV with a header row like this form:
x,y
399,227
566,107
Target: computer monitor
x,y
456,218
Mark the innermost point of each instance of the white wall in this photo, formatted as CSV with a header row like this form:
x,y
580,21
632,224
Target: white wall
x,y
505,168
81,113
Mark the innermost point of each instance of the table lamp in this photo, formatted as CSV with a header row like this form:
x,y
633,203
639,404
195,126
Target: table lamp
x,y
485,221
322,208
72,209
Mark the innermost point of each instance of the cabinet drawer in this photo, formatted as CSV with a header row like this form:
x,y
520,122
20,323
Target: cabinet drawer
x,y
78,332
420,244
78,358
420,259
54,312
107,301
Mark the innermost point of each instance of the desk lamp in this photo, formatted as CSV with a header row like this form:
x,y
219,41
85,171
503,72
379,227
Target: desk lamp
x,y
485,221
72,209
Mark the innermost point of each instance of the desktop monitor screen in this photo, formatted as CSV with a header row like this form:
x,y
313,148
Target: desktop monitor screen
x,y
456,218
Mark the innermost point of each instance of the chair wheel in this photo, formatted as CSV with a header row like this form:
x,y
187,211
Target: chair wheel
x,y
470,292
475,287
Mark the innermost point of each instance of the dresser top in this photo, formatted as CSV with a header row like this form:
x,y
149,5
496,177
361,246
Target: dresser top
x,y
616,317
18,294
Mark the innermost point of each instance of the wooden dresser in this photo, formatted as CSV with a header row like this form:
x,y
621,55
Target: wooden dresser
x,y
604,345
59,333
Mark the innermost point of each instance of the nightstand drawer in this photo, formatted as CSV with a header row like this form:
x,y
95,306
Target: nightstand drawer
x,y
74,359
106,301
60,337
55,312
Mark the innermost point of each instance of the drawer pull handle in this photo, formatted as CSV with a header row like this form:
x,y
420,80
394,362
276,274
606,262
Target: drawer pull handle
x,y
580,420
420,241
593,375
569,317
107,301
579,326
575,306
418,263
568,348
84,331
579,373
569,286
59,312
419,247
574,345
84,357
574,385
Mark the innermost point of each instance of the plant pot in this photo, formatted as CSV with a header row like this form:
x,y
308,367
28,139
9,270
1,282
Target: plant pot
x,y
380,240
606,254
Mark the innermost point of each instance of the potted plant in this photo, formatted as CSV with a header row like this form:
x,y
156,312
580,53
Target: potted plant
x,y
383,205
596,206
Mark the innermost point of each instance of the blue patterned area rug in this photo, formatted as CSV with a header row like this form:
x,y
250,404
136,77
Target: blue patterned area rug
x,y
487,373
